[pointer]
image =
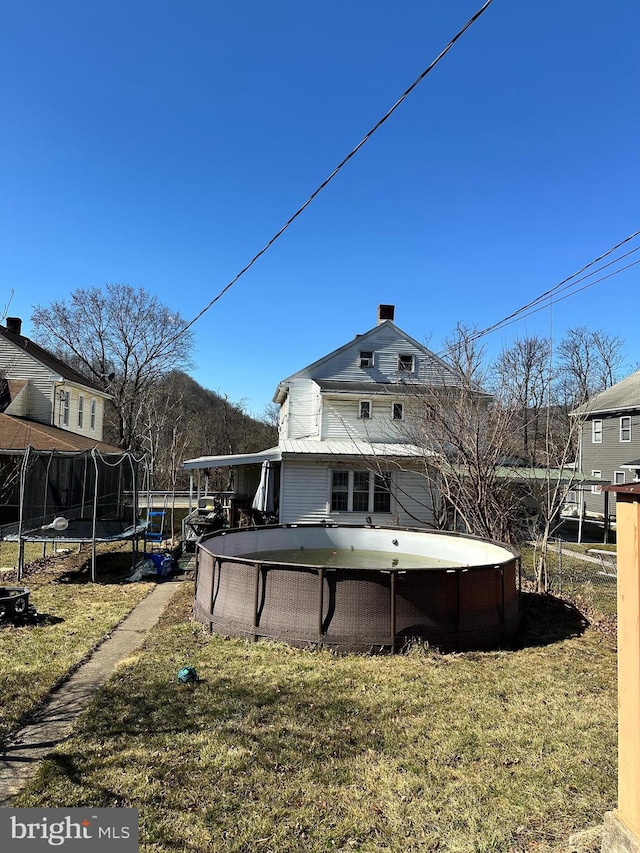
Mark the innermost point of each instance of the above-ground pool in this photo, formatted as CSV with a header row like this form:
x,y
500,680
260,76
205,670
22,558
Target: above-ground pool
x,y
354,588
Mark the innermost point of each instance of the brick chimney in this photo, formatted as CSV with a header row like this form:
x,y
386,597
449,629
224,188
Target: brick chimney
x,y
385,312
14,324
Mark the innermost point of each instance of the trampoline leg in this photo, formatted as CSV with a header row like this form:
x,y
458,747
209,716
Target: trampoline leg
x,y
20,558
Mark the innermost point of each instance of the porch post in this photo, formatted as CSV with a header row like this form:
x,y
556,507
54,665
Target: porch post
x,y
622,826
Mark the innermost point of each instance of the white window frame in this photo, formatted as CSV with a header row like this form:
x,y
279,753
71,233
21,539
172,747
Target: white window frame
x,y
351,476
596,490
596,432
65,400
402,366
367,358
80,411
625,429
92,415
619,478
365,406
394,411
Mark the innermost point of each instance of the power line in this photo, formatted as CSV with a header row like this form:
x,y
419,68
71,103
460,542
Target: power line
x,y
343,163
561,285
546,299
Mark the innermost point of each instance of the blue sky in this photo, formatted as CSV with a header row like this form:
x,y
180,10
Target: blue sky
x,y
162,144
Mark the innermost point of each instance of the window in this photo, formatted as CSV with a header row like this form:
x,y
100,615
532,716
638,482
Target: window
x,y
365,409
596,490
65,401
359,491
381,495
596,432
405,363
397,411
625,428
618,478
340,491
80,411
366,358
92,417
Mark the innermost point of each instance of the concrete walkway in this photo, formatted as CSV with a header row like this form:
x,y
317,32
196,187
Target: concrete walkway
x,y
53,722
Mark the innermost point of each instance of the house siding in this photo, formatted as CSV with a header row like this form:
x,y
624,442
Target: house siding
x,y
387,343
304,492
303,414
39,400
340,419
608,455
414,502
18,364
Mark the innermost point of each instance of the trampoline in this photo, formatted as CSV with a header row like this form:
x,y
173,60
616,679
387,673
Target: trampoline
x,y
448,589
77,496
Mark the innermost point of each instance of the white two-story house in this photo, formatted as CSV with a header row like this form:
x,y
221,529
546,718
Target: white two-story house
x,y
349,447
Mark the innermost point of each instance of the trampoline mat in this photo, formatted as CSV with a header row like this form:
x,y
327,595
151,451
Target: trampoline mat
x,y
81,530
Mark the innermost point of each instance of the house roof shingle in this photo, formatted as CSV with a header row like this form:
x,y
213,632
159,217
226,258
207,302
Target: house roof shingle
x,y
622,396
19,433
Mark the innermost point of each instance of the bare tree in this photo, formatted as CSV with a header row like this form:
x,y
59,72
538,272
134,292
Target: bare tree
x,y
522,383
590,362
121,337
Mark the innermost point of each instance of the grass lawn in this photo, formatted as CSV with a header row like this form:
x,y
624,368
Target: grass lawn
x,y
73,616
278,750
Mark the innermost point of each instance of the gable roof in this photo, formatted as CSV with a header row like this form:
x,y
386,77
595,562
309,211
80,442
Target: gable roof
x,y
440,373
19,433
623,396
49,360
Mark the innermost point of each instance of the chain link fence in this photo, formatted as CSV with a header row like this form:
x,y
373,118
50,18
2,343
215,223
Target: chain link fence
x,y
583,574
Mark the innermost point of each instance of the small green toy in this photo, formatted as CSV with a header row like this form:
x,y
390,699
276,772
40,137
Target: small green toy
x,y
187,675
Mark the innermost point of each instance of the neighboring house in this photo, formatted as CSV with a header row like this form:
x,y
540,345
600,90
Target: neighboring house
x,y
44,405
36,385
347,450
610,439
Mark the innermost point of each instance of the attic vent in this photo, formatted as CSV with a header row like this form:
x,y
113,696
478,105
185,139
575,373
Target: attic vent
x,y
14,324
385,312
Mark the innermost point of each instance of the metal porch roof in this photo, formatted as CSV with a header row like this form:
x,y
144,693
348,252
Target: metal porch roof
x,y
273,454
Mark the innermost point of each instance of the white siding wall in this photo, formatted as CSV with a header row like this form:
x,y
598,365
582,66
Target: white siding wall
x,y
73,425
17,364
305,497
340,419
19,404
304,492
304,409
413,504
387,344
37,400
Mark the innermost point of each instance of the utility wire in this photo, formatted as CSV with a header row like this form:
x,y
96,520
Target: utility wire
x,y
354,151
566,284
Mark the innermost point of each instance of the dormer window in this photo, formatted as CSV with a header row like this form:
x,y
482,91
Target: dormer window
x,y
365,409
405,363
366,358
